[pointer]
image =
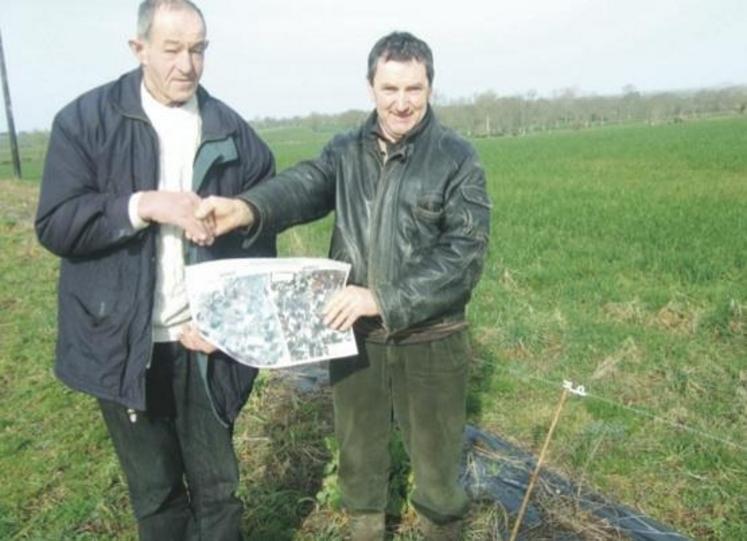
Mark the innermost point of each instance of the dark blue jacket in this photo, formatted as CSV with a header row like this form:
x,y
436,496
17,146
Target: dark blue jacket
x,y
102,149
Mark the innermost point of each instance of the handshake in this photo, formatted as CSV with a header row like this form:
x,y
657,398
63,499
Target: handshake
x,y
201,219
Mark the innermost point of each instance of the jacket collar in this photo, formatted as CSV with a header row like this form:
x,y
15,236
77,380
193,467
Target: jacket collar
x,y
404,145
216,124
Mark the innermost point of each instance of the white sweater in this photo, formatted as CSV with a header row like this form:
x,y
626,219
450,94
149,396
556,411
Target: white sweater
x,y
179,130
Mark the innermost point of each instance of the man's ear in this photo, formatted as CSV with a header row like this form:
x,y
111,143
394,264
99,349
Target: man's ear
x,y
371,91
138,49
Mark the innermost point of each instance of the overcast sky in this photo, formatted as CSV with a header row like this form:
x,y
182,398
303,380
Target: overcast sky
x,y
284,58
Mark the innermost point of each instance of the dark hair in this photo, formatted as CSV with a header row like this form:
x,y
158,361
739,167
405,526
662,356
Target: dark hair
x,y
400,47
147,11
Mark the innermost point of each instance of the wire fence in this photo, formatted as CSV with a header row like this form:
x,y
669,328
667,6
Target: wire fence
x,y
523,376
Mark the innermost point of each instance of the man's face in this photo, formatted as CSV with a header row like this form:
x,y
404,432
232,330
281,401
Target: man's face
x,y
400,91
172,56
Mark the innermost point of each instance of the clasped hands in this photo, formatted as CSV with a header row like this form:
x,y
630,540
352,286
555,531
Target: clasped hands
x,y
201,219
205,219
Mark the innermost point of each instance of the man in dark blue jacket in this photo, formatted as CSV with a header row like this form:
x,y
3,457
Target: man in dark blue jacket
x,y
127,164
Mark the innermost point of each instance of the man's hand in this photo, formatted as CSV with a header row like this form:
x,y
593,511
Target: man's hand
x,y
346,306
224,214
176,208
190,338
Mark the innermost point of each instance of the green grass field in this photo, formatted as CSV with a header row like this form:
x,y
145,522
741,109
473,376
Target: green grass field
x,y
617,260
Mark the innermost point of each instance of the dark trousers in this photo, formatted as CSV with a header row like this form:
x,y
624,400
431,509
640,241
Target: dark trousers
x,y
178,458
425,386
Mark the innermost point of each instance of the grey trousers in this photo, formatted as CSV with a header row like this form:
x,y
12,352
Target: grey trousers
x,y
425,386
178,458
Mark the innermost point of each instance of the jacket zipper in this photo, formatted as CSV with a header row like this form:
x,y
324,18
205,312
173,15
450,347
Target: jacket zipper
x,y
375,212
190,257
382,188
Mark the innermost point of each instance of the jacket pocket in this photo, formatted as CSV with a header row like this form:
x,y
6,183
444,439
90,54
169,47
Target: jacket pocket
x,y
429,208
93,325
476,195
94,286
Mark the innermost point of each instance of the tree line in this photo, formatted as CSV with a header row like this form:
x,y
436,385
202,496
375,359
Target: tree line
x,y
488,114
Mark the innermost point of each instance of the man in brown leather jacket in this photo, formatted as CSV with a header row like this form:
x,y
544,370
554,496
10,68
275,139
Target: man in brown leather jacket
x,y
412,218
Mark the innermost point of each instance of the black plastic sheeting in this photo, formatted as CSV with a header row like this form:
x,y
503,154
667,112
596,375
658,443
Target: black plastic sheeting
x,y
306,378
495,470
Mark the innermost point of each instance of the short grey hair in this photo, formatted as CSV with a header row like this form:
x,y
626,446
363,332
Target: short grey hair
x,y
148,8
400,47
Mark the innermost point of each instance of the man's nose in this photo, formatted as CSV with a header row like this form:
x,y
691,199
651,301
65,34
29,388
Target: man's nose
x,y
184,62
401,101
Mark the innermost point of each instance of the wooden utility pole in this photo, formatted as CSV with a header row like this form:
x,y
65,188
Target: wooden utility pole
x,y
9,114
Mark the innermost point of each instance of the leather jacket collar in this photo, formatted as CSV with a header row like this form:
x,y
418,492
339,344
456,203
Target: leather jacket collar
x,y
403,146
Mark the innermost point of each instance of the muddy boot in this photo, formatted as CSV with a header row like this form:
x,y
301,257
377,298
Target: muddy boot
x,y
451,531
367,527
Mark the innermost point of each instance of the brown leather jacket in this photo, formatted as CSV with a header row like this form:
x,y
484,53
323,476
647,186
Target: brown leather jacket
x,y
414,226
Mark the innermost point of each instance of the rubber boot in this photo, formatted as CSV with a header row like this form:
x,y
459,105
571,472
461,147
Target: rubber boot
x,y
451,531
367,527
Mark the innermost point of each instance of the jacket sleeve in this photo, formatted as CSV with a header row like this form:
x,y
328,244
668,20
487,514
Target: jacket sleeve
x,y
442,276
75,217
297,195
257,159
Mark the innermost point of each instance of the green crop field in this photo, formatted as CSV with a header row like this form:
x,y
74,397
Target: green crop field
x,y
618,261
